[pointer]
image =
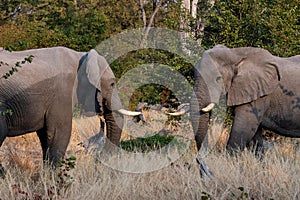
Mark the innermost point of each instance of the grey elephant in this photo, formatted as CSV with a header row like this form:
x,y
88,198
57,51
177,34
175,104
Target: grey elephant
x,y
262,89
42,94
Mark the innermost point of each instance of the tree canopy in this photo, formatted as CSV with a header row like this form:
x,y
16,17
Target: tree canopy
x,y
81,25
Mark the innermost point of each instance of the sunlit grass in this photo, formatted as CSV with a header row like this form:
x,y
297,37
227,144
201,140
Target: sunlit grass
x,y
276,176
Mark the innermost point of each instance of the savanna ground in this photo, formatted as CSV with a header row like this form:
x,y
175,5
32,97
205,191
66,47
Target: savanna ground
x,y
276,176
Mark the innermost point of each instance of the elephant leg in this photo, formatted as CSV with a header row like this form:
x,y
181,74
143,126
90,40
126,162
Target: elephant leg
x,y
3,134
3,125
58,129
42,134
3,130
257,142
59,139
246,123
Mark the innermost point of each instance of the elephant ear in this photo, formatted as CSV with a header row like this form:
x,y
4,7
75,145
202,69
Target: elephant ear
x,y
90,70
95,67
255,75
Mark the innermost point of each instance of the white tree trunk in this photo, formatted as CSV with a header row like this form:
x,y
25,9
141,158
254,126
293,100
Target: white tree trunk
x,y
147,25
196,32
185,25
194,8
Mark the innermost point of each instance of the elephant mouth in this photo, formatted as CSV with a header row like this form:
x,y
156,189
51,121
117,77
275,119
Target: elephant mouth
x,y
208,108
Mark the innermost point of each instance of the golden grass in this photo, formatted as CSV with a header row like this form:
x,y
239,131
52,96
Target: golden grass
x,y
275,176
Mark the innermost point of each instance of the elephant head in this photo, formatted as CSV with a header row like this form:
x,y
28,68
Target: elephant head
x,y
97,94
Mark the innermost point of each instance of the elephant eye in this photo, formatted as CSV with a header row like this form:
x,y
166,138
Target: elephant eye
x,y
219,78
112,85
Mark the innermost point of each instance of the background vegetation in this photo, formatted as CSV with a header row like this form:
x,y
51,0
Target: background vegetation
x,y
81,25
242,177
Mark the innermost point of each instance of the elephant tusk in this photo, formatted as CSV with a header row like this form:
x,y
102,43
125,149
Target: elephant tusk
x,y
129,113
209,107
204,170
183,108
177,113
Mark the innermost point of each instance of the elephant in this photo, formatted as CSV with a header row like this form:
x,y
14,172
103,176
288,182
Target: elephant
x,y
43,93
263,91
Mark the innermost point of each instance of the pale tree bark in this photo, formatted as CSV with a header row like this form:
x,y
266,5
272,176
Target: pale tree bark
x,y
194,4
148,24
185,7
191,9
141,2
184,25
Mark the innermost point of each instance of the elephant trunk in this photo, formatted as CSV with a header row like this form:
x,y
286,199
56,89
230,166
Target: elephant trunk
x,y
199,121
114,124
199,117
114,120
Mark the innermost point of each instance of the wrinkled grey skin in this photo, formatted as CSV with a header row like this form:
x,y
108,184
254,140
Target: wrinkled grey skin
x,y
262,89
40,96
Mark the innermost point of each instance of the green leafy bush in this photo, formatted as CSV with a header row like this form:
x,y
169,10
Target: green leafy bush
x,y
147,144
272,25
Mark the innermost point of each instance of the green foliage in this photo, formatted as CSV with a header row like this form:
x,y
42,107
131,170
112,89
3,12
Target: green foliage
x,y
53,23
242,195
6,112
18,45
124,14
64,178
8,74
147,144
67,164
272,25
222,114
77,111
81,25
153,93
17,65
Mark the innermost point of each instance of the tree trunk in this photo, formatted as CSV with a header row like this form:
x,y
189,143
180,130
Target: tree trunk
x,y
197,31
148,25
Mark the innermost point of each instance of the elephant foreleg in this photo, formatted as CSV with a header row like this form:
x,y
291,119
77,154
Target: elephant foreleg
x,y
246,125
257,142
3,129
42,134
3,134
56,134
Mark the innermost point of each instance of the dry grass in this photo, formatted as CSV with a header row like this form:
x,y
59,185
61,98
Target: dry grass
x,y
276,176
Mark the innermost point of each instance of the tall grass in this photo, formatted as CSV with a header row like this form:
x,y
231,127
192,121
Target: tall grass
x,y
276,176
273,177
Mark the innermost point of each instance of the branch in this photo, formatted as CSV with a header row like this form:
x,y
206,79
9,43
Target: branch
x,y
151,21
15,67
143,13
154,13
